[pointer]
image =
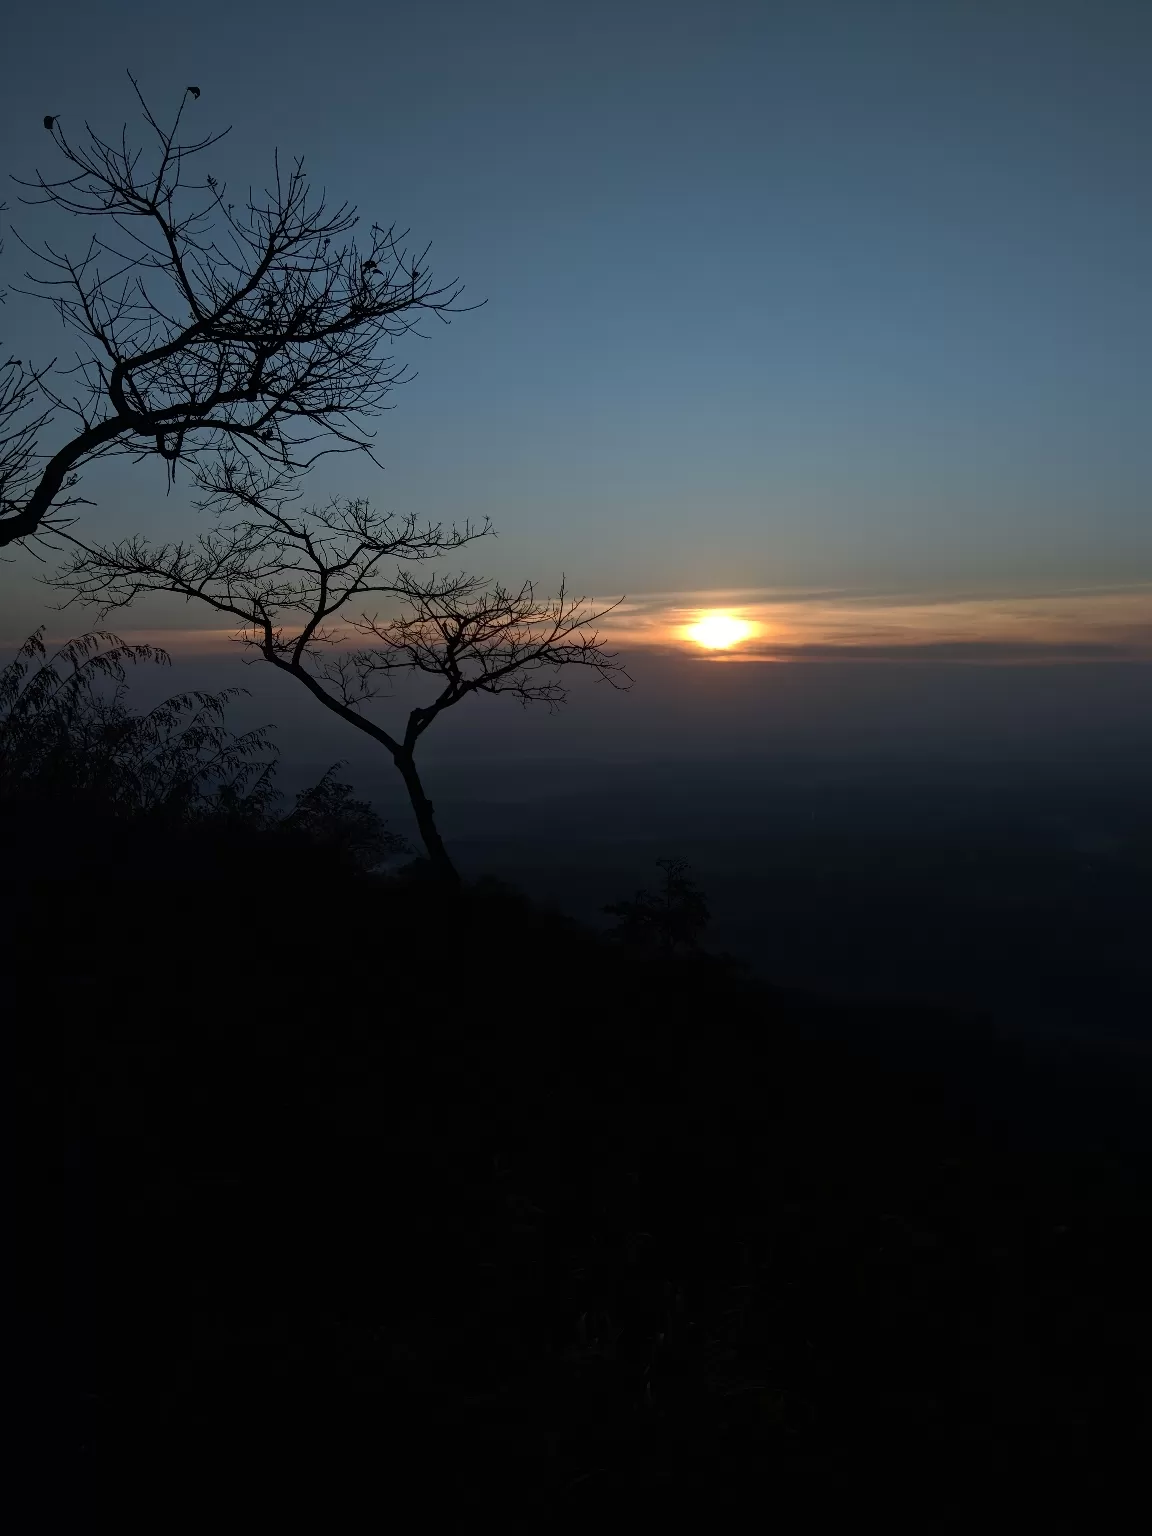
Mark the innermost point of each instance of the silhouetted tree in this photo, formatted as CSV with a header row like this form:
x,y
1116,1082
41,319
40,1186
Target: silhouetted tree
x,y
20,423
260,326
286,576
674,917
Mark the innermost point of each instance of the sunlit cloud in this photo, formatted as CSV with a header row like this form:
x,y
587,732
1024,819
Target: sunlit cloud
x,y
819,623
188,642
814,624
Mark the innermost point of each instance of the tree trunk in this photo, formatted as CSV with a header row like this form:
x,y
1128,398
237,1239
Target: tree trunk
x,y
426,821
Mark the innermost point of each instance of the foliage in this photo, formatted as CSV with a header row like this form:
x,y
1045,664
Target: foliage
x,y
68,737
67,732
328,817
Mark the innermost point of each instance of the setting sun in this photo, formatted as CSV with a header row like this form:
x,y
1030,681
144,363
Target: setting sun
x,y
719,631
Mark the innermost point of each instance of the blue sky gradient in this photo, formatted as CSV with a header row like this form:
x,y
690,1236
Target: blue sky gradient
x,y
782,294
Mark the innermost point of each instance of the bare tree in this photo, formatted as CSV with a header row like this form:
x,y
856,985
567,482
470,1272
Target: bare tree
x,y
22,418
295,582
258,326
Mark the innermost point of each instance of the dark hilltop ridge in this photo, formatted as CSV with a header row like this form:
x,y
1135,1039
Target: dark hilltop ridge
x,y
447,1192
332,1178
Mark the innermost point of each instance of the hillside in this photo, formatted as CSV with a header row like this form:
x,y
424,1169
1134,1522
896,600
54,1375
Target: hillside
x,y
347,1180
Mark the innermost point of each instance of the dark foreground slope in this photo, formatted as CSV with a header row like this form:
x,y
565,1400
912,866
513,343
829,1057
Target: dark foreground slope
x,y
351,1191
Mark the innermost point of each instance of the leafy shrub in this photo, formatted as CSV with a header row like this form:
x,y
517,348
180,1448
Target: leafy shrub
x,y
70,742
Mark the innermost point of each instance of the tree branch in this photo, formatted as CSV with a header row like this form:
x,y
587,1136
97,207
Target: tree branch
x,y
262,330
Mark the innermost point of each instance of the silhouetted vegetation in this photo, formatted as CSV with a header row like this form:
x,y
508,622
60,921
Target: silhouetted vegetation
x,y
294,580
246,341
85,776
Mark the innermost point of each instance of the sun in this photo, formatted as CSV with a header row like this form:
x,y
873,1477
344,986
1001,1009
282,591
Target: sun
x,y
719,631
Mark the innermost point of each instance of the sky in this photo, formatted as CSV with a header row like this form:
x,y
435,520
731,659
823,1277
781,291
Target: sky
x,y
829,317
818,297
